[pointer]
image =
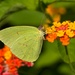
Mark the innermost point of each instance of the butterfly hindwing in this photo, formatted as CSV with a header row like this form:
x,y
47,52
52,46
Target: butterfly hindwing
x,y
24,41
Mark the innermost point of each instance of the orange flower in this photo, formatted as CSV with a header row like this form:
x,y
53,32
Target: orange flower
x,y
10,62
62,10
7,55
17,62
55,12
1,69
64,31
51,37
56,18
62,27
65,40
1,59
50,10
60,33
1,53
48,30
12,69
6,48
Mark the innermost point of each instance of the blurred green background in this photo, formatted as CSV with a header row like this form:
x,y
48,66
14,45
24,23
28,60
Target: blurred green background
x,y
32,12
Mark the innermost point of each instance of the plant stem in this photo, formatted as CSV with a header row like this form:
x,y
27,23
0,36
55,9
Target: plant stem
x,y
67,53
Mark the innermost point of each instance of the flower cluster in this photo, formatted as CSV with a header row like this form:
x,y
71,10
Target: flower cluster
x,y
55,12
62,31
9,63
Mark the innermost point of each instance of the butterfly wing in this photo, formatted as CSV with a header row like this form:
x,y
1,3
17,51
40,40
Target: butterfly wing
x,y
24,41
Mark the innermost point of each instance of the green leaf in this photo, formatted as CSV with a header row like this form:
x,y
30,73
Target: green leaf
x,y
61,3
71,51
68,15
64,4
62,51
64,68
25,42
5,5
27,17
49,55
31,4
48,1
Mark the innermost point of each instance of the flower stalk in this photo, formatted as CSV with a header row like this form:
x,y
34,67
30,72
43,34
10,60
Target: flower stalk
x,y
70,64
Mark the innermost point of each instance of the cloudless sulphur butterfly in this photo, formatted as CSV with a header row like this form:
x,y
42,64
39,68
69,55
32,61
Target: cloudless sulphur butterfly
x,y
24,41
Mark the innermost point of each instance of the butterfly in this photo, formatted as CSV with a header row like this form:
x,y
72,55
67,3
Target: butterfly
x,y
25,42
